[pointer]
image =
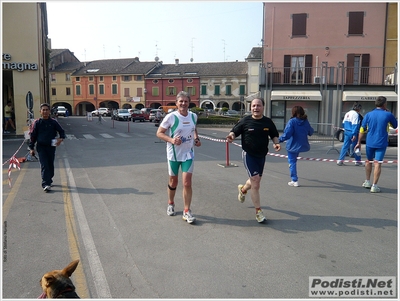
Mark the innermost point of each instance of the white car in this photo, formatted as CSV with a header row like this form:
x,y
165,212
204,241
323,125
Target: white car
x,y
61,111
101,111
121,114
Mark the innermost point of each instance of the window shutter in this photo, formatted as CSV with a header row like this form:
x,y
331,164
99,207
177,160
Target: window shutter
x,y
356,23
364,68
308,69
350,68
299,24
286,69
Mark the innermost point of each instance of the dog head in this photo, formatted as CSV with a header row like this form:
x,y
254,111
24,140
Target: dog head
x,y
57,283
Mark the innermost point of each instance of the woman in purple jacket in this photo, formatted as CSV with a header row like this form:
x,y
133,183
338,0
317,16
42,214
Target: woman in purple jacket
x,y
296,132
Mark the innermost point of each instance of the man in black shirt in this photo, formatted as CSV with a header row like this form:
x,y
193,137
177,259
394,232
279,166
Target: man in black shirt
x,y
256,131
43,134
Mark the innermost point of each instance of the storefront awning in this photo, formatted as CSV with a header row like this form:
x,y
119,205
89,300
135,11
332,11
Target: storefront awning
x,y
303,95
368,95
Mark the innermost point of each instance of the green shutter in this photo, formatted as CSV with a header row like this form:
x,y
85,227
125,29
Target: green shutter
x,y
203,90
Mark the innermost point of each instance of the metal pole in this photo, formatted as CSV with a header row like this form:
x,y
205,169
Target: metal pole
x,y
227,153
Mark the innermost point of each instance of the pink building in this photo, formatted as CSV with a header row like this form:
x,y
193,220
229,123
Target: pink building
x,y
324,56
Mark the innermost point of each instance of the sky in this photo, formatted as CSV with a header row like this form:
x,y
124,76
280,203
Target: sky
x,y
205,31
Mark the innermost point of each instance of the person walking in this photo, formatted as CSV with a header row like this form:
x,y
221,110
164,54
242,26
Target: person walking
x,y
255,129
375,123
351,127
8,115
296,133
182,135
43,133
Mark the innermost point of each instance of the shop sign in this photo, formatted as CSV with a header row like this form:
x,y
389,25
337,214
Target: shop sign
x,y
17,66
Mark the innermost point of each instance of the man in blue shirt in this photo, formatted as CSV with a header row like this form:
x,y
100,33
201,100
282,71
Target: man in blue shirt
x,y
375,124
351,127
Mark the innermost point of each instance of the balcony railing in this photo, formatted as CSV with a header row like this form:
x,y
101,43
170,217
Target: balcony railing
x,y
328,75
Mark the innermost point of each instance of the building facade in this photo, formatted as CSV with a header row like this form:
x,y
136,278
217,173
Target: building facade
x,y
325,56
24,71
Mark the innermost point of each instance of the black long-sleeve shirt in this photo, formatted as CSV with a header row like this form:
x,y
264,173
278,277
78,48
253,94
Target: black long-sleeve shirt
x,y
44,130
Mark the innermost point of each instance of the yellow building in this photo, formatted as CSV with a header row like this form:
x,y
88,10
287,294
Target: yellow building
x,y
24,60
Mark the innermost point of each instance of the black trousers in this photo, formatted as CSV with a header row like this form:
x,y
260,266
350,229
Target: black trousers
x,y
46,158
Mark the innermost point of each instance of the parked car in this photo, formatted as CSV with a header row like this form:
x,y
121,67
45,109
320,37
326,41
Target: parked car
x,y
393,136
136,115
61,111
121,114
153,112
339,135
146,113
232,113
102,111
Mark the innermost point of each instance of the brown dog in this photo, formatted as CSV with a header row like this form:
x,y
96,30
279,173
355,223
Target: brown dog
x,y
57,284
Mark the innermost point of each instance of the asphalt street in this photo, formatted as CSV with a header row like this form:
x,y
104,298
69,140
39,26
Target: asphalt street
x,y
108,208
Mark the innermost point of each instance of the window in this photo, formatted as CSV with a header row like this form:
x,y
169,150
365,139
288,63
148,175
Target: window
x,y
53,91
356,23
126,92
91,89
154,91
114,77
171,91
170,81
191,90
67,77
68,91
228,90
138,77
53,77
299,25
155,81
78,79
216,90
126,78
203,89
101,89
139,92
101,78
190,80
242,89
91,78
78,90
357,71
114,89
297,69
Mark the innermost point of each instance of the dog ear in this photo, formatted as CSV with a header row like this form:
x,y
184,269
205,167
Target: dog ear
x,y
69,269
47,280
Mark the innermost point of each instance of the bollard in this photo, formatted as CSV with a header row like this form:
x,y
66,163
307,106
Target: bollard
x,y
227,153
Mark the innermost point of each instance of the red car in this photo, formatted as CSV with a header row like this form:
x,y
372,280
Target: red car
x,y
137,115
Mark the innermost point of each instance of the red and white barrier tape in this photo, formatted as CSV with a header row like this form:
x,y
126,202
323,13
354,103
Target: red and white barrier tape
x,y
299,158
14,163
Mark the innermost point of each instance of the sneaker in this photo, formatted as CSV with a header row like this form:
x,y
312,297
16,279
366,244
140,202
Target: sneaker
x,y
171,209
187,216
340,163
47,188
375,188
260,216
293,183
358,163
241,195
366,184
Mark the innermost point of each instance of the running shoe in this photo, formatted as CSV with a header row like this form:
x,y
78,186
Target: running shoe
x,y
366,184
241,195
171,209
358,163
47,188
187,216
260,216
375,188
339,162
293,183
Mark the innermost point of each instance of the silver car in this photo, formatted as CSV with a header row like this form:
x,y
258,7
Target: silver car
x,y
121,114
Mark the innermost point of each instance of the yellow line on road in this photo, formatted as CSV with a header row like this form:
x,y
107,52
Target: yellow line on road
x,y
79,275
11,195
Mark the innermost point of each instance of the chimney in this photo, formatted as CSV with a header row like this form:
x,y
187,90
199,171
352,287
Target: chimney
x,y
176,62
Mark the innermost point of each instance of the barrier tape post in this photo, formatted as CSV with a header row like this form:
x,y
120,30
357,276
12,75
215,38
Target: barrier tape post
x,y
227,153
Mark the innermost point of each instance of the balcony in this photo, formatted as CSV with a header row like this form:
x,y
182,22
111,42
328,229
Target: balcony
x,y
346,76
